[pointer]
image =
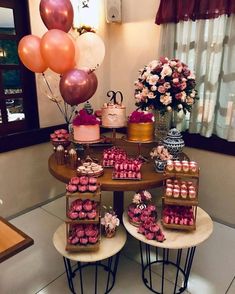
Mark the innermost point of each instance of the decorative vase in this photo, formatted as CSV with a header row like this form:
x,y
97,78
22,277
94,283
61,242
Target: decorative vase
x,y
109,233
160,165
174,142
162,125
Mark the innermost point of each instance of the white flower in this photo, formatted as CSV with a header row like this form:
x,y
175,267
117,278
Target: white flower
x,y
147,195
152,79
166,99
166,71
137,198
153,88
153,64
169,109
138,97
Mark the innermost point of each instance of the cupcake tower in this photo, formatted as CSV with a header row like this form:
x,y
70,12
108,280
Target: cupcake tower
x,y
83,214
180,198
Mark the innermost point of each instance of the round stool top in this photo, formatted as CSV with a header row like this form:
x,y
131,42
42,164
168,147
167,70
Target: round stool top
x,y
176,239
108,246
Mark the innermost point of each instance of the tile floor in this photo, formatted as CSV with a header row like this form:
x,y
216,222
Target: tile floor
x,y
39,269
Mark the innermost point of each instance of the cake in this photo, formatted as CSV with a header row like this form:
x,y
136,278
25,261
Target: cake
x,y
140,126
113,115
86,127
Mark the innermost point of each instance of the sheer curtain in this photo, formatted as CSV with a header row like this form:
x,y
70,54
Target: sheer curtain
x,y
208,47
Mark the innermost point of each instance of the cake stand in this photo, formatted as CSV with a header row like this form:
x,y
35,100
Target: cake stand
x,y
140,156
113,130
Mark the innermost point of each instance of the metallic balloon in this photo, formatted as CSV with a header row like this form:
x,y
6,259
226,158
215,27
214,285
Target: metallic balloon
x,y
30,54
57,14
58,51
74,86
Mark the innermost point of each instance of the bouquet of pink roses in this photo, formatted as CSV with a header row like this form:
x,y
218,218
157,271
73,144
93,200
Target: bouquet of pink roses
x,y
166,85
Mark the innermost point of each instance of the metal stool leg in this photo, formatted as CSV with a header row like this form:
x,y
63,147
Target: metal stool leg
x,y
69,273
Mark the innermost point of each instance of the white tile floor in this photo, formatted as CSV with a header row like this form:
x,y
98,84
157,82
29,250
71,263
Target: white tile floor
x,y
40,269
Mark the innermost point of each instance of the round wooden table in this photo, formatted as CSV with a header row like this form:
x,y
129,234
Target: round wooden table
x,y
150,178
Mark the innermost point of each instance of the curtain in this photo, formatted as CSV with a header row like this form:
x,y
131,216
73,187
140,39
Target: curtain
x,y
208,47
173,11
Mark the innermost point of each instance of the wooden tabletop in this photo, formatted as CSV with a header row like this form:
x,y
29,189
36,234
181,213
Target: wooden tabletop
x,y
177,239
12,240
150,178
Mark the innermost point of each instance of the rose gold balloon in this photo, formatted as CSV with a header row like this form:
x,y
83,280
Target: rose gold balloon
x,y
74,86
58,51
57,14
30,54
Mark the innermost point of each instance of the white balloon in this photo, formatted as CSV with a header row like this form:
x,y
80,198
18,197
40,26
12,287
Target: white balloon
x,y
92,51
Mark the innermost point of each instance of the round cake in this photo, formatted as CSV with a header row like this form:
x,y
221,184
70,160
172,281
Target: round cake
x,y
86,127
113,115
140,132
140,126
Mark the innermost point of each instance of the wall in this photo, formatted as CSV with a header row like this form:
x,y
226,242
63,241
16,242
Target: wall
x,y
128,47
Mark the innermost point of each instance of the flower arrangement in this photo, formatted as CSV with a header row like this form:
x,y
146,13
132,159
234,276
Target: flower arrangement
x,y
141,117
83,118
141,196
160,153
166,85
110,221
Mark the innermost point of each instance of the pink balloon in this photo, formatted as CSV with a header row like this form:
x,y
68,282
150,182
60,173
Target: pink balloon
x,y
74,86
57,14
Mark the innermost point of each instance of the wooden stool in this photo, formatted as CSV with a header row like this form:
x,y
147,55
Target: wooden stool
x,y
177,240
106,258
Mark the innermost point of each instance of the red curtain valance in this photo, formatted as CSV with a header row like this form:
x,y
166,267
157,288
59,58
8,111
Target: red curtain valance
x,y
178,10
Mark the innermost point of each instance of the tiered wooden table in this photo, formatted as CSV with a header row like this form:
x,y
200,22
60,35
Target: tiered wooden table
x,y
12,240
150,179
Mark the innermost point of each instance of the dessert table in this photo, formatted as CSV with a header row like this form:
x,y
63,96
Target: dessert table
x,y
12,240
152,260
150,178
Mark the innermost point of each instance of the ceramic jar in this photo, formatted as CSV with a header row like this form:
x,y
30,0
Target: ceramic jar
x,y
174,142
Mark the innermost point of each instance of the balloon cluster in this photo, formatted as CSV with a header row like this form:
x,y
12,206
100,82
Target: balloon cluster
x,y
74,60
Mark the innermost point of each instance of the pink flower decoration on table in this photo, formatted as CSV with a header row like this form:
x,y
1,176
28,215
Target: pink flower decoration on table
x,y
140,116
165,84
83,118
160,152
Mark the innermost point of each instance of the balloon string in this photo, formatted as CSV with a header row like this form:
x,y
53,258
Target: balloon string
x,y
54,100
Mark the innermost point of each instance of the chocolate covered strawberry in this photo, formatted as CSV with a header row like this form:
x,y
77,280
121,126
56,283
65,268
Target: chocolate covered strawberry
x,y
72,214
80,233
82,215
92,214
74,180
71,188
93,240
83,240
92,180
82,188
83,180
92,188
87,205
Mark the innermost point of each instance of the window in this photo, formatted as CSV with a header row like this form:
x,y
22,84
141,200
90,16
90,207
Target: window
x,y
18,100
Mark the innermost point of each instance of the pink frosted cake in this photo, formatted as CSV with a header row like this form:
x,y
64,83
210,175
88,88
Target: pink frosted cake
x,y
113,115
86,127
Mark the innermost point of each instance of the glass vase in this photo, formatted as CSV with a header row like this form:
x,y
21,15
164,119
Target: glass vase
x,y
162,125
